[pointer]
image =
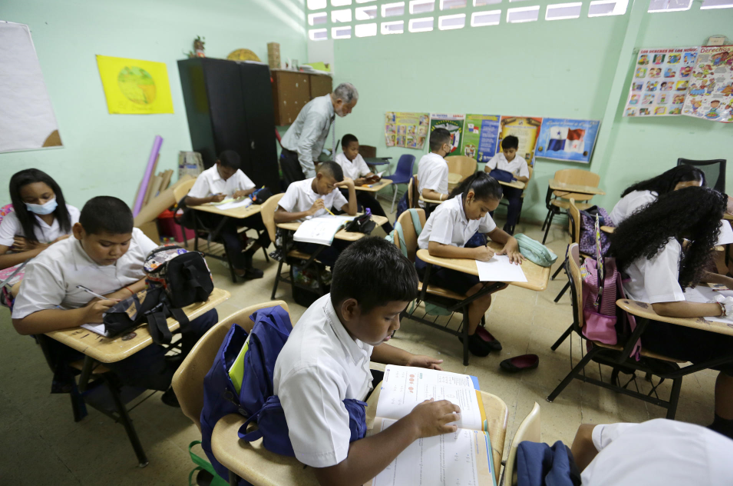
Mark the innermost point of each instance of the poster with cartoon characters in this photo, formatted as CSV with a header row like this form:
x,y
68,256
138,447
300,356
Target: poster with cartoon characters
x,y
711,85
452,123
407,130
660,81
526,129
480,137
566,139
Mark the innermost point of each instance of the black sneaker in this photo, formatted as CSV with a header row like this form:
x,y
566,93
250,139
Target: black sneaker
x,y
252,273
170,398
477,346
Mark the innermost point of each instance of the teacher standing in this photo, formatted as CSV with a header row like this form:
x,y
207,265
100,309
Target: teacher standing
x,y
304,140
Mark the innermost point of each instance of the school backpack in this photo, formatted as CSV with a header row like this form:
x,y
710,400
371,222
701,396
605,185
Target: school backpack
x,y
538,464
183,275
534,251
502,175
588,235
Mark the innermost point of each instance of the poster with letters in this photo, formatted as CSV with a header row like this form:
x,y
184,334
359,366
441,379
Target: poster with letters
x,y
451,122
480,137
409,130
567,139
711,85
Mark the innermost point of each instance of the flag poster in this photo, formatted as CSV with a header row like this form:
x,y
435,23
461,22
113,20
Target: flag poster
x,y
452,123
407,130
711,85
567,139
660,81
526,129
480,136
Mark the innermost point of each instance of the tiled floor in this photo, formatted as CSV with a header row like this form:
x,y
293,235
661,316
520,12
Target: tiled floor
x,y
43,445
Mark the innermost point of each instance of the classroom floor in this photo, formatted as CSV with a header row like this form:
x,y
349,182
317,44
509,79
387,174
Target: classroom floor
x,y
43,444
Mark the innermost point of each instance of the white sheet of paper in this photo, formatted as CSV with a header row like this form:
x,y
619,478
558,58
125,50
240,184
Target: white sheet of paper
x,y
96,328
703,293
726,233
500,269
320,230
236,204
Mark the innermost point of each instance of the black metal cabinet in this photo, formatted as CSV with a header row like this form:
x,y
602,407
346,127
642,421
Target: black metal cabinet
x,y
229,107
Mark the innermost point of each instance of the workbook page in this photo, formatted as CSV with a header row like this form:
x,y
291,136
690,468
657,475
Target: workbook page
x,y
320,230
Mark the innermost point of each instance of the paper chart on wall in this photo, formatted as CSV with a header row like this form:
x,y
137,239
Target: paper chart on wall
x,y
480,137
526,129
566,139
409,130
136,87
451,122
711,85
660,81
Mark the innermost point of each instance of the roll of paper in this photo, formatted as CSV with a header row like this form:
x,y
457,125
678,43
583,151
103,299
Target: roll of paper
x,y
148,173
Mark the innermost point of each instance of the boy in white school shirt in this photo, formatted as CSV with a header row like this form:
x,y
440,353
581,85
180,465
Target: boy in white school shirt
x,y
354,167
326,360
508,161
226,180
105,254
315,197
432,170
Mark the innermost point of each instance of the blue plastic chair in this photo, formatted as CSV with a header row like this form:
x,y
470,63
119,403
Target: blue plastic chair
x,y
402,174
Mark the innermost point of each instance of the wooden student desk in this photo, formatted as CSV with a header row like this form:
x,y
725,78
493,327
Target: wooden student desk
x,y
376,187
341,234
573,188
514,184
253,463
646,311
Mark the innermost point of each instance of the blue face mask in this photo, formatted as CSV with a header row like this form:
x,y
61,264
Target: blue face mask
x,y
43,209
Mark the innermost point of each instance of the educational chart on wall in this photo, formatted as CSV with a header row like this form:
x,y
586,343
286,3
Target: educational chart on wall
x,y
27,120
135,87
407,130
711,86
526,129
480,136
567,139
452,123
660,81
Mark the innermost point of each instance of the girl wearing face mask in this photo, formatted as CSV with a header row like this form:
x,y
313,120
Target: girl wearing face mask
x,y
40,218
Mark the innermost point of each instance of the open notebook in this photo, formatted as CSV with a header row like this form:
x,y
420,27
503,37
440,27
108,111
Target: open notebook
x,y
462,458
321,230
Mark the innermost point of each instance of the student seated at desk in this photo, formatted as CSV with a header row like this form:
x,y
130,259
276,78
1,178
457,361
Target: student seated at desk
x,y
432,170
326,360
646,192
446,233
221,181
508,161
355,168
40,218
105,255
648,249
315,197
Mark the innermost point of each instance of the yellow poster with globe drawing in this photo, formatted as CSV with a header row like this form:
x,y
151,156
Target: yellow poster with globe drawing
x,y
135,87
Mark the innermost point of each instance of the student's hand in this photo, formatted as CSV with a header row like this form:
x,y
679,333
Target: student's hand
x,y
347,183
22,244
511,249
360,181
60,238
94,311
239,194
317,206
434,418
482,253
217,198
419,361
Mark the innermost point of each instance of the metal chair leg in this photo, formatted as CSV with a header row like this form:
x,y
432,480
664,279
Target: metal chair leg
x,y
562,292
559,269
549,223
127,423
277,278
233,479
562,338
394,197
575,371
674,398
465,336
544,223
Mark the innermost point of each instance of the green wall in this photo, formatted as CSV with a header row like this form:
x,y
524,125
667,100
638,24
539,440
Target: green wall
x,y
559,68
107,154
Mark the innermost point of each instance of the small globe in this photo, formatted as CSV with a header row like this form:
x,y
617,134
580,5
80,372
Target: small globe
x,y
137,85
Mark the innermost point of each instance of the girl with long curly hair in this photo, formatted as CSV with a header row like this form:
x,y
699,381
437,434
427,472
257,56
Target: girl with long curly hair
x,y
648,247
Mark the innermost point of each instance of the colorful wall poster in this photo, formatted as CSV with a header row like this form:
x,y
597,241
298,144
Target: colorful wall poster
x,y
711,85
27,119
452,123
135,87
660,81
407,130
480,136
526,129
567,139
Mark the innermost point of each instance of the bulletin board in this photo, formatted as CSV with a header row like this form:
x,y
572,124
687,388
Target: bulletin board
x,y
526,129
409,130
567,139
711,85
480,137
451,122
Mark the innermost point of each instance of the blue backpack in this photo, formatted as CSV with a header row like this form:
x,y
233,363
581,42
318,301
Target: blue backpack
x,y
539,464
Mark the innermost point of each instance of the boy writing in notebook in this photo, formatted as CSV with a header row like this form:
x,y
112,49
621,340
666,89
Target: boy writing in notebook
x,y
326,360
432,170
105,254
354,167
315,197
225,180
508,161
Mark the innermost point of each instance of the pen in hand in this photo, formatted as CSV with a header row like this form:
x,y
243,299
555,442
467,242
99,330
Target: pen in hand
x,y
101,297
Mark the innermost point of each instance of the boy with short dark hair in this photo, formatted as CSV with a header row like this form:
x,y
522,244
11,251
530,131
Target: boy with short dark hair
x,y
105,254
432,170
354,167
326,360
508,160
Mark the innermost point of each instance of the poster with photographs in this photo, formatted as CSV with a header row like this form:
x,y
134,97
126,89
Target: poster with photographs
x,y
711,85
407,130
567,139
452,123
526,129
480,136
661,79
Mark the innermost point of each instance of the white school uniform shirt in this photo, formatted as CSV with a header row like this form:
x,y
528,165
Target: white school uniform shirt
x,y
209,182
448,225
319,367
631,203
656,280
352,168
308,133
659,453
432,173
300,197
518,166
11,227
51,277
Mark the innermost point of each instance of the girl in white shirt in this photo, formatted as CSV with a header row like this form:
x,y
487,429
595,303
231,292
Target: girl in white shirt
x,y
40,218
648,248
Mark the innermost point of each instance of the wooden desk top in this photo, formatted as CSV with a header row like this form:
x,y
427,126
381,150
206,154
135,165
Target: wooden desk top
x,y
728,217
253,463
341,234
514,184
238,213
111,350
378,186
431,201
559,186
646,311
454,178
537,276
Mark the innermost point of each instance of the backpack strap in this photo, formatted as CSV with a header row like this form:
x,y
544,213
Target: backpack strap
x,y
416,221
158,328
180,316
250,436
